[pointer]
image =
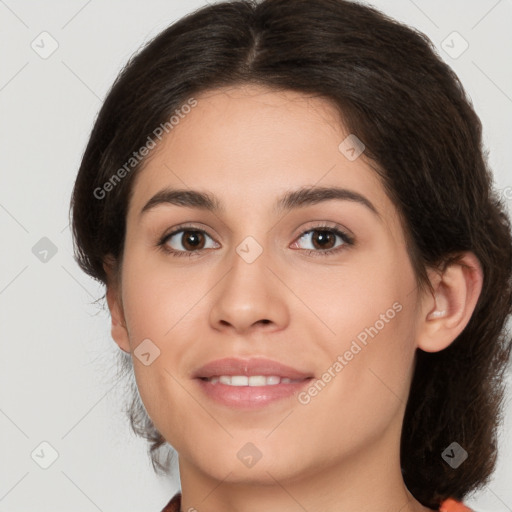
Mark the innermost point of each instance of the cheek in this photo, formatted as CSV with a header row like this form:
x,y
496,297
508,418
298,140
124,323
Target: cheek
x,y
158,301
363,298
373,316
369,389
161,306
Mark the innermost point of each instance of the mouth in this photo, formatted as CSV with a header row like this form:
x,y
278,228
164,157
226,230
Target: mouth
x,y
253,380
248,384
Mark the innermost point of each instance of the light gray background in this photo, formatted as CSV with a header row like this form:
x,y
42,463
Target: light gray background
x,y
57,358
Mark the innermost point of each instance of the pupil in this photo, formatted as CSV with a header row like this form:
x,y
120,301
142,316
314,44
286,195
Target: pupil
x,y
323,237
193,235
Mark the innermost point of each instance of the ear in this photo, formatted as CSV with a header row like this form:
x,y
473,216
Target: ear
x,y
115,305
445,314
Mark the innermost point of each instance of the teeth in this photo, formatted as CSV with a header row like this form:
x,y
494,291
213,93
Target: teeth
x,y
239,380
256,380
253,380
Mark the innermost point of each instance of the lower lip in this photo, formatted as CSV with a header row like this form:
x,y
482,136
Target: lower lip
x,y
250,397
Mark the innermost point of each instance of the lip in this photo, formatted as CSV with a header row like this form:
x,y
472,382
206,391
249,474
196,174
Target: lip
x,y
249,367
249,397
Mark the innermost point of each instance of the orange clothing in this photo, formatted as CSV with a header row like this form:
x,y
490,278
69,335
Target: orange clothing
x,y
448,505
451,505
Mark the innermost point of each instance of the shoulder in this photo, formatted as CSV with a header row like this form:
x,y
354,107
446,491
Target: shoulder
x,y
452,505
448,505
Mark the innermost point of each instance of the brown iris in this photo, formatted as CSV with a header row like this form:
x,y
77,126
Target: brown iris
x,y
322,238
195,239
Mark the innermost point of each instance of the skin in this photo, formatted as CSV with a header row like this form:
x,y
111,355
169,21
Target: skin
x,y
247,146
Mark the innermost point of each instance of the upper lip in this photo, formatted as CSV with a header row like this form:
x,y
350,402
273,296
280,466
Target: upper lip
x,y
249,367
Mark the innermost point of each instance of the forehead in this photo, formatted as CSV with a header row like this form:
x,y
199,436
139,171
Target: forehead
x,y
249,144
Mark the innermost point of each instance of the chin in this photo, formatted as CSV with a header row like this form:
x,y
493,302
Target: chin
x,y
244,463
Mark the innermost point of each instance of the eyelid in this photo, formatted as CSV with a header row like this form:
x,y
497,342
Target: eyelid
x,y
319,224
185,227
313,225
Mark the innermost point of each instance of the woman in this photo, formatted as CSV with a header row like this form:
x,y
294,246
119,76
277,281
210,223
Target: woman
x,y
304,260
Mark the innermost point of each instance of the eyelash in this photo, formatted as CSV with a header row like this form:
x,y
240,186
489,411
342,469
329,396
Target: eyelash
x,y
347,241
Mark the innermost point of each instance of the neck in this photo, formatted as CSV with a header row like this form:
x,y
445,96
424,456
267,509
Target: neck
x,y
367,480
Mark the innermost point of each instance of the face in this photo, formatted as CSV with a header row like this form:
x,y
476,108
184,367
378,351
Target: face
x,y
264,324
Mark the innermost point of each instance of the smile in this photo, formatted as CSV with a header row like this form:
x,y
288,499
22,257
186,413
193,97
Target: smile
x,y
253,380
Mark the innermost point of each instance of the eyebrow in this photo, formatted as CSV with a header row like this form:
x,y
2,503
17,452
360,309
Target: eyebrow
x,y
290,200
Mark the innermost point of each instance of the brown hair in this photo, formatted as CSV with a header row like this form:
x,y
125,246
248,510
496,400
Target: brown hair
x,y
421,135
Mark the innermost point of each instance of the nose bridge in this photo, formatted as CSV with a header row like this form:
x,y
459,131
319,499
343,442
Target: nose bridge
x,y
249,275
249,293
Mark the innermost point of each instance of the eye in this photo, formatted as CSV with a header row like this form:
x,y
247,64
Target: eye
x,y
190,240
323,240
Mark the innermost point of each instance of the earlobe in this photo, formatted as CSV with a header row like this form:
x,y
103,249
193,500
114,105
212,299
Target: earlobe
x,y
118,329
446,313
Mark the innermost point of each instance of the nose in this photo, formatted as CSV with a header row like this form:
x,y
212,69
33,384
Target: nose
x,y
250,297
